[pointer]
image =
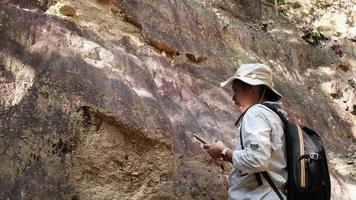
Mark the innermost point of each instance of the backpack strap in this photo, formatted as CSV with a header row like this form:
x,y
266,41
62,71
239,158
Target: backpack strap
x,y
265,173
240,118
270,181
237,123
258,179
274,109
242,115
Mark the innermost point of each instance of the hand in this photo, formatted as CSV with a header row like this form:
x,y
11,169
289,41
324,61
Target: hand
x,y
215,149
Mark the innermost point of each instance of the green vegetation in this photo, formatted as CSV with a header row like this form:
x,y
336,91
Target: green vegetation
x,y
293,5
318,31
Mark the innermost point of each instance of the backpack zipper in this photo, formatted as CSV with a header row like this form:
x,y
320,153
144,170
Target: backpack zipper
x,y
302,161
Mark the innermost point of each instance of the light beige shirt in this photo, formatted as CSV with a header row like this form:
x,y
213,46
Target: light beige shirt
x,y
264,150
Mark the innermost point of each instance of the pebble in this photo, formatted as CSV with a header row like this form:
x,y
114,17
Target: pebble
x,y
67,10
135,173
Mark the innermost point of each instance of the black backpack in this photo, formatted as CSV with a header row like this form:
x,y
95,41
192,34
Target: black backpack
x,y
308,174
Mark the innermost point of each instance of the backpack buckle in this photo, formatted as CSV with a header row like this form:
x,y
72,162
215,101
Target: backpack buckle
x,y
314,156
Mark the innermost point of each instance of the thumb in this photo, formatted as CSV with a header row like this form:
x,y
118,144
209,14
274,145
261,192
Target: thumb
x,y
206,146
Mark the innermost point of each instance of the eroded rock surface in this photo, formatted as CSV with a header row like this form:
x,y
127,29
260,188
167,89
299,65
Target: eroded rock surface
x,y
102,104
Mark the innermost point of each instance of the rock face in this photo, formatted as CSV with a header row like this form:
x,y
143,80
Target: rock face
x,y
102,105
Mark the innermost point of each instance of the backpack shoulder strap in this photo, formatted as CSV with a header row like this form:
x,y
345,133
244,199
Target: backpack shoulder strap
x,y
238,122
274,187
240,118
268,105
265,173
274,109
242,115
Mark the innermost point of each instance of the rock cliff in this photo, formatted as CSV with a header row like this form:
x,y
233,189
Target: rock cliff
x,y
99,99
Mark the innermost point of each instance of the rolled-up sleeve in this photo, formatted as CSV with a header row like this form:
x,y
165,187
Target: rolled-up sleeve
x,y
256,133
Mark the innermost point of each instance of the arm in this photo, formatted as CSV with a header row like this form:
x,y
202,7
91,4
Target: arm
x,y
257,142
256,133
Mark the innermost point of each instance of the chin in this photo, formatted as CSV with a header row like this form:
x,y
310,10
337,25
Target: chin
x,y
242,108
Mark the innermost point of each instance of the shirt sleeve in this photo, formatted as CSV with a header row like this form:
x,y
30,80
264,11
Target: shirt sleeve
x,y
256,133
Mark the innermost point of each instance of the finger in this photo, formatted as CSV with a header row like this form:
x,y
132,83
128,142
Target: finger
x,y
206,146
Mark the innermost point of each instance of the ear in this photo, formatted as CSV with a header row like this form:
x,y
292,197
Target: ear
x,y
252,89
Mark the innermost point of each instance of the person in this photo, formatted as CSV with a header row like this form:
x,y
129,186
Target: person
x,y
262,136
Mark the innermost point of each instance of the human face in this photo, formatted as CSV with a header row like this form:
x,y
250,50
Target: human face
x,y
243,96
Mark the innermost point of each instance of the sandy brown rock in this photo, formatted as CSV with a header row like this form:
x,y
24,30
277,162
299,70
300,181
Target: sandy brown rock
x,y
67,10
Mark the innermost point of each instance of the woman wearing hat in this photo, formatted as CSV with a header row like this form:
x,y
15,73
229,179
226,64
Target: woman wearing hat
x,y
262,147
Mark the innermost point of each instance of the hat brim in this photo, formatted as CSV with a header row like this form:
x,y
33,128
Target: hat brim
x,y
250,81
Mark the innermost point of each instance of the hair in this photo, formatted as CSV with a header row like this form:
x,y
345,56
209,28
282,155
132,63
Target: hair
x,y
269,95
241,84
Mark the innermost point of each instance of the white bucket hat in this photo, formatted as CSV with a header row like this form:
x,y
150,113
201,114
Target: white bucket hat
x,y
253,74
